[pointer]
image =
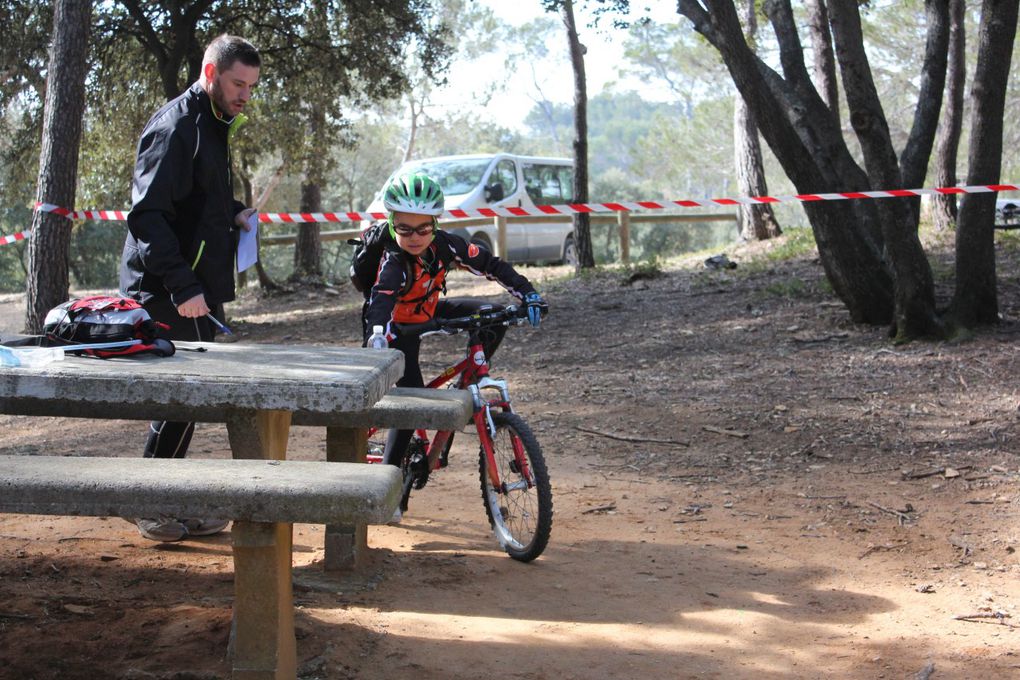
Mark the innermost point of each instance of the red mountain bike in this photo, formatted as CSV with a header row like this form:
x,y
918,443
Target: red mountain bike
x,y
512,471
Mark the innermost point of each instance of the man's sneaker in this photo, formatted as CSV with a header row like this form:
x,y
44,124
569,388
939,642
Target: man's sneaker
x,y
204,527
162,529
397,516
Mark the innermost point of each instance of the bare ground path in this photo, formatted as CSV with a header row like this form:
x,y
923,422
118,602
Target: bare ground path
x,y
746,486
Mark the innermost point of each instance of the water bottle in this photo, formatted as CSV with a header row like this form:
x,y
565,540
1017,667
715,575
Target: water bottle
x,y
30,357
378,339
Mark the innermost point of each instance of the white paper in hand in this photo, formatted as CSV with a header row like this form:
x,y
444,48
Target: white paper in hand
x,y
247,246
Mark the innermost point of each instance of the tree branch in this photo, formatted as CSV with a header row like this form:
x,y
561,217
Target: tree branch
x,y
917,151
147,35
866,114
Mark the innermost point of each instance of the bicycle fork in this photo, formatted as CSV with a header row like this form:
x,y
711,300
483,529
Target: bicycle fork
x,y
487,434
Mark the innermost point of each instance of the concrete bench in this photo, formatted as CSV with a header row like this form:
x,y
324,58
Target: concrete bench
x,y
263,498
346,437
346,544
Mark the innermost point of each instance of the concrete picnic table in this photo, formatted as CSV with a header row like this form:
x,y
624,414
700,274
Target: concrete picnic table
x,y
254,389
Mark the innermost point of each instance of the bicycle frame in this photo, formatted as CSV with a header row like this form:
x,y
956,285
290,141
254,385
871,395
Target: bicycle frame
x,y
473,370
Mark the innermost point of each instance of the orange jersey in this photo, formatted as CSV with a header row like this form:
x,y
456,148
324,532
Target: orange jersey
x,y
388,305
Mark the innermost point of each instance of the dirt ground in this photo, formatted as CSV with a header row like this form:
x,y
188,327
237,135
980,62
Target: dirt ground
x,y
746,485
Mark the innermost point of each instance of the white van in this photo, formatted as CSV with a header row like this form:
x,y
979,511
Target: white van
x,y
503,180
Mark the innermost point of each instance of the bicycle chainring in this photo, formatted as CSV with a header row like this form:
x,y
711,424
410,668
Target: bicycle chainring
x,y
416,463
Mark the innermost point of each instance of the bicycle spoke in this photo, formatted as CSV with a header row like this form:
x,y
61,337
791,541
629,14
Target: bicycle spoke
x,y
520,507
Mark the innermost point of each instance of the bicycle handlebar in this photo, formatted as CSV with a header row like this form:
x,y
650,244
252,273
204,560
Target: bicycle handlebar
x,y
511,315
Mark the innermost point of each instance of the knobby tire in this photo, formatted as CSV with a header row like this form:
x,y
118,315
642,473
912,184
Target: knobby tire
x,y
522,520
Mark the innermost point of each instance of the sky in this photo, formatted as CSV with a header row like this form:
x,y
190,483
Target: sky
x,y
468,81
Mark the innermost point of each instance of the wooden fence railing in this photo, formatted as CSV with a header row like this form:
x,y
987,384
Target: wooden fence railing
x,y
623,219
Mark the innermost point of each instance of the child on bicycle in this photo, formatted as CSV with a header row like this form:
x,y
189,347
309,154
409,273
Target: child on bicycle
x,y
410,281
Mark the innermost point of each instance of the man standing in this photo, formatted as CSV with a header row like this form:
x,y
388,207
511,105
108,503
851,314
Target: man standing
x,y
178,258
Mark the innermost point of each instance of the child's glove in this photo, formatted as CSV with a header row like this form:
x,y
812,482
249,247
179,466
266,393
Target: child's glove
x,y
536,307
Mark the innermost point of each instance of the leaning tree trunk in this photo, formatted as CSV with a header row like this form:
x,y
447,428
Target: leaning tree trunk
x,y
871,248
49,245
582,223
308,250
975,300
951,124
755,222
913,285
805,138
824,60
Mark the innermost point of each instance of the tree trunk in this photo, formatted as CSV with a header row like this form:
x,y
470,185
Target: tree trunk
x,y
824,60
755,222
582,223
917,151
870,248
975,300
951,124
803,134
913,285
308,250
265,281
49,245
412,132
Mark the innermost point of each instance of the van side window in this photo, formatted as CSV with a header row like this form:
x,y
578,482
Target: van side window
x,y
566,183
548,184
506,174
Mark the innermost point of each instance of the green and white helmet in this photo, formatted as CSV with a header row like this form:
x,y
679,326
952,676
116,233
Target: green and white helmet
x,y
414,193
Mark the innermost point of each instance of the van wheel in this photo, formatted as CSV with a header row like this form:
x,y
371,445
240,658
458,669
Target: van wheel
x,y
482,242
569,252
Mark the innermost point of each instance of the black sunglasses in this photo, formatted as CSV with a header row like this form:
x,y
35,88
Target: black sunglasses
x,y
407,230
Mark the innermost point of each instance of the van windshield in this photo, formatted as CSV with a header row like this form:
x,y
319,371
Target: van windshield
x,y
454,176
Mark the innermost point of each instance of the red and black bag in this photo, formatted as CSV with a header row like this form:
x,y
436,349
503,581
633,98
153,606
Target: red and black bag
x,y
103,318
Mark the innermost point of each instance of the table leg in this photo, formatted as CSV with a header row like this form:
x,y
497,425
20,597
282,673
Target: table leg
x,y
346,544
263,644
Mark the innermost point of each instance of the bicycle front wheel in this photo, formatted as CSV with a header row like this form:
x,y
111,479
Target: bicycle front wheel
x,y
520,511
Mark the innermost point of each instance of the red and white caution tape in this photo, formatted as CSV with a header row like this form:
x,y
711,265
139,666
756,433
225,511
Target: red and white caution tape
x,y
562,209
20,236
575,208
119,215
111,215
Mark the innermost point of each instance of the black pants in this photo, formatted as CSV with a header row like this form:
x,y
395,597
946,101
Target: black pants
x,y
410,345
168,439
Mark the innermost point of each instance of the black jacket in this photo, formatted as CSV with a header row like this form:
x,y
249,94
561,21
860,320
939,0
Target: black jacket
x,y
181,234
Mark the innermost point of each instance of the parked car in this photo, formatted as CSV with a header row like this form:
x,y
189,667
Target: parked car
x,y
503,180
1007,213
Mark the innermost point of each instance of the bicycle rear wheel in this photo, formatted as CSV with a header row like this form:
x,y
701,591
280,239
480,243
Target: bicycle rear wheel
x,y
520,512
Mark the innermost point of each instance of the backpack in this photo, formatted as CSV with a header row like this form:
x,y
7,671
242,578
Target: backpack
x,y
103,318
368,252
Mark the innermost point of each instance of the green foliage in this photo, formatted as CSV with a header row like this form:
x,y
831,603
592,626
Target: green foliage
x,y
461,132
12,268
676,55
616,123
649,268
672,161
23,56
368,62
1008,240
796,242
95,253
792,287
